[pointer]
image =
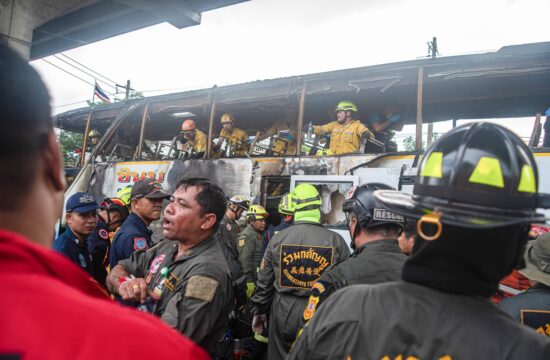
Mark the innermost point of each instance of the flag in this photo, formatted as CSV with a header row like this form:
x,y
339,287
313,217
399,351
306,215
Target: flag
x,y
101,94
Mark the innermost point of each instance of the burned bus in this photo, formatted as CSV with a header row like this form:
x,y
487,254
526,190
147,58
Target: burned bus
x,y
138,135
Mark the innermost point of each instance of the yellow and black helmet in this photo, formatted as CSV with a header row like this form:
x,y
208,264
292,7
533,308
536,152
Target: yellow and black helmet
x,y
256,212
286,206
478,175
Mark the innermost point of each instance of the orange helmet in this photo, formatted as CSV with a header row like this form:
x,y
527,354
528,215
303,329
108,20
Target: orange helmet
x,y
188,125
227,117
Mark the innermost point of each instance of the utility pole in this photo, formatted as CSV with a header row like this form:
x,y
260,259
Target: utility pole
x,y
432,48
126,88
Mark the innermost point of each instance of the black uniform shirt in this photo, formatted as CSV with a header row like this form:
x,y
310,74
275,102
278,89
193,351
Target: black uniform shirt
x,y
405,320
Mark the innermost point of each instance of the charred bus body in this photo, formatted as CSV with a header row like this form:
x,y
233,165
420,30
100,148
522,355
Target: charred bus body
x,y
138,134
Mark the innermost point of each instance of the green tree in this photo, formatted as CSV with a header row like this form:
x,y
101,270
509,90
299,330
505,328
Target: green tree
x,y
409,143
69,142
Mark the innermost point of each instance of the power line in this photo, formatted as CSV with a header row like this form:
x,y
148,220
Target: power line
x,y
79,69
84,66
74,103
78,77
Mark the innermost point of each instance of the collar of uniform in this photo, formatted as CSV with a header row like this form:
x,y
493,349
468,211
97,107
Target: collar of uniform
x,y
304,222
72,237
136,220
197,249
380,245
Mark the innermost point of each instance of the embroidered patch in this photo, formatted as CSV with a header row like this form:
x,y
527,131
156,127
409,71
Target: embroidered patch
x,y
311,306
156,263
140,243
302,265
104,234
201,288
537,319
228,227
386,215
241,242
319,287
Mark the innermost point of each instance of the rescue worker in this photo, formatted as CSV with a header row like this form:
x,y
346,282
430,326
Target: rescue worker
x,y
377,257
294,259
110,216
532,307
134,234
233,141
346,133
50,309
250,244
283,134
384,125
187,278
286,209
94,136
227,234
81,221
474,197
191,140
406,239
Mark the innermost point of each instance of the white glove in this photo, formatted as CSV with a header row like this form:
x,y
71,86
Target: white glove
x,y
259,323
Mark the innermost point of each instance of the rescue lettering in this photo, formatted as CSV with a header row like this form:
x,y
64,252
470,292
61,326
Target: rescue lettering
x,y
386,215
537,319
302,265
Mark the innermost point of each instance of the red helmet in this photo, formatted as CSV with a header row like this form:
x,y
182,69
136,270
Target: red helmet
x,y
188,125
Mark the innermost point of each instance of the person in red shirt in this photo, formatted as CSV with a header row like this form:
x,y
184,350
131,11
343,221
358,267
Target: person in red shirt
x,y
49,307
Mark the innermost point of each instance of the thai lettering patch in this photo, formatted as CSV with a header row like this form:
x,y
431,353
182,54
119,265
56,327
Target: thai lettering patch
x,y
302,265
537,319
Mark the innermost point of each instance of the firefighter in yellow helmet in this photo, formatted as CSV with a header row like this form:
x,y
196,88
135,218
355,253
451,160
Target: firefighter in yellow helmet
x,y
233,141
294,259
191,140
346,133
249,244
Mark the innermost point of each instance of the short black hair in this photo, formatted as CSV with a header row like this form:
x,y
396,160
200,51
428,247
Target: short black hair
x,y
26,121
211,197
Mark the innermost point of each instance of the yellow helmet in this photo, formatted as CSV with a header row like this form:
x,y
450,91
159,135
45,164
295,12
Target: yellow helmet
x,y
324,152
94,133
345,105
256,212
226,118
286,206
124,194
305,197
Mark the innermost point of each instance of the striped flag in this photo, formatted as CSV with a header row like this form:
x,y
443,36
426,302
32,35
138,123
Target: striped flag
x,y
101,94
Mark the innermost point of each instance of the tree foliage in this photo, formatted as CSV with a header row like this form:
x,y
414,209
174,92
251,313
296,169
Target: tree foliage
x,y
69,143
409,143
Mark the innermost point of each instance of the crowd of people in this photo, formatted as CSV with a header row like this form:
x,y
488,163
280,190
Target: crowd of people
x,y
346,135
416,286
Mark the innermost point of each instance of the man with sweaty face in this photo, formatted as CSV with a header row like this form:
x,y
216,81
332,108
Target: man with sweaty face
x,y
187,279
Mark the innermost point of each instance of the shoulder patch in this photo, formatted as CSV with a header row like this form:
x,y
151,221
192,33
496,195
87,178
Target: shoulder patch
x,y
201,288
241,241
104,234
310,308
156,263
228,227
140,243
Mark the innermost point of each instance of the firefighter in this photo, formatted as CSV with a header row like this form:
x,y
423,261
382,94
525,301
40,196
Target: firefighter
x,y
532,307
377,257
111,214
185,278
346,133
250,244
191,140
94,136
233,141
293,261
474,197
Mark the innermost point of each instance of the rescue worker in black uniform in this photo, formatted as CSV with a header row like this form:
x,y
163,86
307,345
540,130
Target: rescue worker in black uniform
x,y
146,203
187,279
110,216
377,257
295,258
227,238
532,307
474,197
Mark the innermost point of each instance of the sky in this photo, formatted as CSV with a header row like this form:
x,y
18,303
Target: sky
x,y
265,39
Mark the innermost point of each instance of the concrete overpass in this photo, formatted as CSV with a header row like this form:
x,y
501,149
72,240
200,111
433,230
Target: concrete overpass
x,y
38,28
